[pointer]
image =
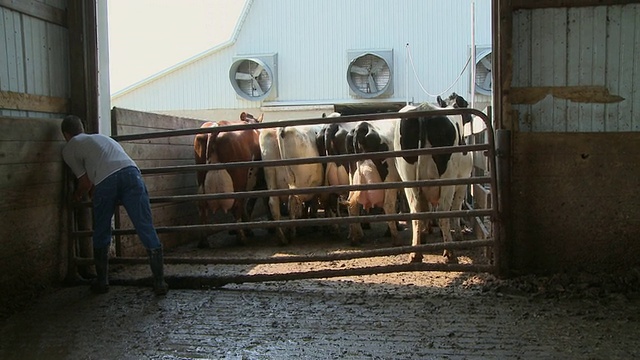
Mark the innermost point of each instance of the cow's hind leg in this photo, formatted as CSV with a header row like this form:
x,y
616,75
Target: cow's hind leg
x,y
413,200
446,198
390,198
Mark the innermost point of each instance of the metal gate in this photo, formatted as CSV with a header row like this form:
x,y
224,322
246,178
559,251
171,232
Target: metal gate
x,y
486,219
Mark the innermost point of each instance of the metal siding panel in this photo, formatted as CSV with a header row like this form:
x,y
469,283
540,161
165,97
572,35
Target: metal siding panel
x,y
613,60
599,63
559,68
315,50
635,112
573,66
627,45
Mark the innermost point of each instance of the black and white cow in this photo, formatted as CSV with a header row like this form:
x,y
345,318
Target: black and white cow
x,y
363,137
425,132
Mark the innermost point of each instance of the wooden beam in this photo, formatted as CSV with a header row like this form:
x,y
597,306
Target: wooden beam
x,y
38,10
540,4
579,94
29,102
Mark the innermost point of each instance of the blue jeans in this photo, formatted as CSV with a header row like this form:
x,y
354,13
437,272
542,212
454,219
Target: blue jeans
x,y
126,186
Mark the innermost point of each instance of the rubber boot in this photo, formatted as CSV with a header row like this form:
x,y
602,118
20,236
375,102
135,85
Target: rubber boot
x,y
160,287
101,283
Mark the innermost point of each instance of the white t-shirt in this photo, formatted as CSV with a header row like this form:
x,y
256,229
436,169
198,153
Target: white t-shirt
x,y
96,155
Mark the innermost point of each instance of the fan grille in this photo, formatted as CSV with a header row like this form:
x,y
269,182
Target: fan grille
x,y
369,75
483,78
252,78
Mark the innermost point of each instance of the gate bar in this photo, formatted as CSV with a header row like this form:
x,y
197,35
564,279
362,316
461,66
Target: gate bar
x,y
466,244
199,282
302,222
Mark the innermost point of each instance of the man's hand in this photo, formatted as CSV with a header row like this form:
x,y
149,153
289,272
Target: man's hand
x,y
84,186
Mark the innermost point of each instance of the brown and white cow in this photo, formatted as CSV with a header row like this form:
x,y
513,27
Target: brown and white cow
x,y
428,132
291,142
225,147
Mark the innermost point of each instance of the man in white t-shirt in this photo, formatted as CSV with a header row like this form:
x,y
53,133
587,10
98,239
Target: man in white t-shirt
x,y
109,175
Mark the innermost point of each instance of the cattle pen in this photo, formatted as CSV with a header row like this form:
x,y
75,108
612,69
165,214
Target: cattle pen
x,y
488,236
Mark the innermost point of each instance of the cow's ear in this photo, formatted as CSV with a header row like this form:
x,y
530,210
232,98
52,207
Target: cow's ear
x,y
324,115
441,102
461,102
243,116
260,117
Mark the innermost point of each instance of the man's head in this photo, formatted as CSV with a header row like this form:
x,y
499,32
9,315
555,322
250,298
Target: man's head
x,y
71,126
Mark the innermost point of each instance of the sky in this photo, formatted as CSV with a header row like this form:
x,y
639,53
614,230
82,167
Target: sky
x,y
149,36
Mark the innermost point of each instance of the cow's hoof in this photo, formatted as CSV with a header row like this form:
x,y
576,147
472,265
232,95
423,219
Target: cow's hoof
x,y
449,258
416,258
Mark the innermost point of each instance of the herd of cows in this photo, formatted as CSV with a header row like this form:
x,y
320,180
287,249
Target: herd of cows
x,y
340,138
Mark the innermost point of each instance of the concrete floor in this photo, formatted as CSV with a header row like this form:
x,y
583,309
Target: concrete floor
x,y
320,319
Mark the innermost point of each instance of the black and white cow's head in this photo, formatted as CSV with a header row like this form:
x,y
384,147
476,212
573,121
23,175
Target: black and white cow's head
x,y
456,101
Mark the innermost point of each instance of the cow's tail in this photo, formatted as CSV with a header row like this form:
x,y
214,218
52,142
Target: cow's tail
x,y
291,176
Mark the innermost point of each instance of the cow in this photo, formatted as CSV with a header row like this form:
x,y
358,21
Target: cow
x,y
415,132
331,141
465,164
224,147
366,137
362,137
291,142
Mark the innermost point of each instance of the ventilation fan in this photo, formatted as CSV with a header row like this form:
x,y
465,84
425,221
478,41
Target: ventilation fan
x,y
254,77
370,73
483,80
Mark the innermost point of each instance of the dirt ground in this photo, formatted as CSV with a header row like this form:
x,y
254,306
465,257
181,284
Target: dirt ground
x,y
409,315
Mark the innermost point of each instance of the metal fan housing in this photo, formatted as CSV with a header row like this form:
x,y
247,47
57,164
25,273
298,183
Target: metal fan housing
x,y
370,73
254,77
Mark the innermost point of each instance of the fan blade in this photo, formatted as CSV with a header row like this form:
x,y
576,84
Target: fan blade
x,y
257,88
257,71
487,82
243,76
372,84
486,63
359,70
378,66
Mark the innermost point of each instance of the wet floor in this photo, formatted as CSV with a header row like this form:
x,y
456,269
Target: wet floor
x,y
319,320
417,315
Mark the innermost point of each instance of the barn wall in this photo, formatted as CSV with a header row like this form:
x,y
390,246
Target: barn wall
x,y
311,39
576,201
173,151
574,137
34,94
34,61
594,51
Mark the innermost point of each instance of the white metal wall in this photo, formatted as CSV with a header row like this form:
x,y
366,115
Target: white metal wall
x,y
33,57
312,38
579,46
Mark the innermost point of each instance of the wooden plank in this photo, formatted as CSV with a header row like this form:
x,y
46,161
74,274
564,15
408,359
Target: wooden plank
x,y
33,196
29,230
29,102
577,94
19,128
151,120
539,4
37,10
158,151
20,152
174,140
24,174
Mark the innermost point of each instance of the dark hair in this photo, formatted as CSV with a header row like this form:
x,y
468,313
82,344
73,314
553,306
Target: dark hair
x,y
72,125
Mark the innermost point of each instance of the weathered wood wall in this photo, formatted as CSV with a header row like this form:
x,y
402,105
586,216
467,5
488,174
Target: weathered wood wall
x,y
575,201
32,207
151,153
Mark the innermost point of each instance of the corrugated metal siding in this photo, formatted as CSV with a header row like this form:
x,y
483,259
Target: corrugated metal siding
x,y
32,58
578,47
312,39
